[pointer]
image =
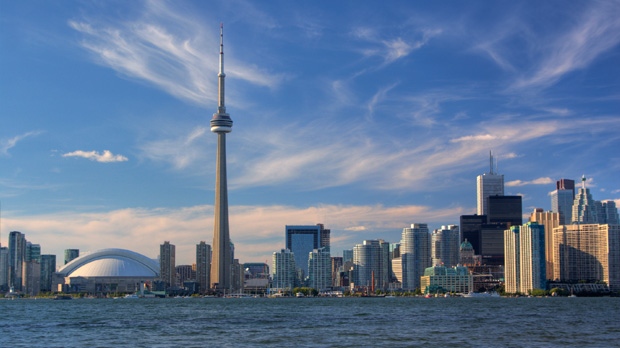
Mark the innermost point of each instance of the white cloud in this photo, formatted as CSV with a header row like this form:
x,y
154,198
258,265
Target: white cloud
x,y
539,181
105,157
257,231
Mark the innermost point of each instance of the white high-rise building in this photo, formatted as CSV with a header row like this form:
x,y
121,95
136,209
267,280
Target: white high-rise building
x,y
284,270
532,258
445,246
415,253
488,184
319,269
524,255
371,260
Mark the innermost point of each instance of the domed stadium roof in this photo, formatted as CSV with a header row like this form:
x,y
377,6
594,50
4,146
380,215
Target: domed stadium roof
x,y
111,263
466,245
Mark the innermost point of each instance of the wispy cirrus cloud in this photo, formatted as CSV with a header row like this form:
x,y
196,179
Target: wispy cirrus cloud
x,y
597,30
105,157
7,144
169,57
180,150
392,49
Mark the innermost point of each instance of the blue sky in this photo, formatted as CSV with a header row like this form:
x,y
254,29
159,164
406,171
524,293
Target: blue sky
x,y
364,116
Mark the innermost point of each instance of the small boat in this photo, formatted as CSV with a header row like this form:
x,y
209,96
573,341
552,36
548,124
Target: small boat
x,y
482,294
63,297
131,296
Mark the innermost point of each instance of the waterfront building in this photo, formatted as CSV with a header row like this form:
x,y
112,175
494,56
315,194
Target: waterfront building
x,y
550,220
106,271
221,123
415,251
238,277
71,254
31,277
445,245
4,269
319,269
532,257
184,273
442,279
167,271
488,184
203,266
301,240
506,210
562,200
256,276
48,267
511,267
17,256
587,253
371,260
284,271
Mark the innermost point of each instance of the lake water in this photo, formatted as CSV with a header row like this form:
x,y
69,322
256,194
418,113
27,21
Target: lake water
x,y
312,322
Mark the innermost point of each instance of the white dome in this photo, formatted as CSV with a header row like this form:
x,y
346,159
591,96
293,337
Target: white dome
x,y
111,263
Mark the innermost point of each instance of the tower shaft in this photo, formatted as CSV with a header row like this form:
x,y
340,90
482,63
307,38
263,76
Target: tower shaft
x,y
221,261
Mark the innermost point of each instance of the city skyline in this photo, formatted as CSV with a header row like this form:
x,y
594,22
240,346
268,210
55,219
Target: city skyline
x,y
365,118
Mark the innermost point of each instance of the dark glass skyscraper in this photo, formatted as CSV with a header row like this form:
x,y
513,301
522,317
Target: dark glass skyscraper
x,y
302,239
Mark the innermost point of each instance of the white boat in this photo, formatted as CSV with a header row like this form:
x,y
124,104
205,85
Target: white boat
x,y
482,294
131,296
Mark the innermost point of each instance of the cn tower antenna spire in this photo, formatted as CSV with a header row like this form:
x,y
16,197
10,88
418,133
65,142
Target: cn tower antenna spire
x,y
221,107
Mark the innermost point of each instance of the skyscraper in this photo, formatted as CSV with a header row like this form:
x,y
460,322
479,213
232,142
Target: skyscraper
x,y
371,260
203,266
488,184
512,266
167,272
284,270
505,209
550,220
584,206
221,123
532,257
415,253
17,256
302,239
445,243
471,227
319,269
48,267
71,254
4,269
562,200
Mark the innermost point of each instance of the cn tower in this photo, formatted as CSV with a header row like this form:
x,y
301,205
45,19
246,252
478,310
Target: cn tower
x,y
221,124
